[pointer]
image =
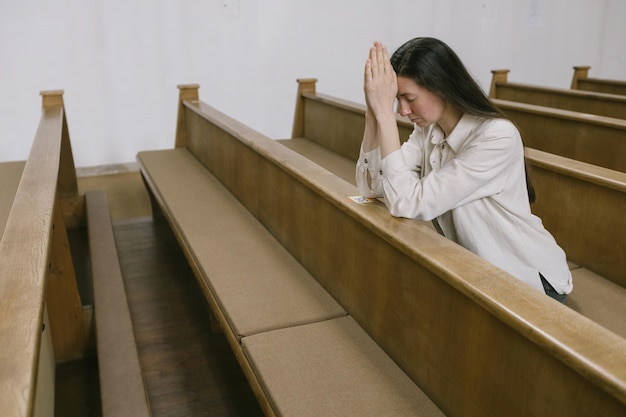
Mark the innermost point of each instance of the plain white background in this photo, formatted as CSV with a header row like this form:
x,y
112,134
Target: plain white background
x,y
120,61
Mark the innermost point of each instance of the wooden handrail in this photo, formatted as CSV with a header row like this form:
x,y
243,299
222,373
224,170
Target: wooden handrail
x,y
532,315
36,267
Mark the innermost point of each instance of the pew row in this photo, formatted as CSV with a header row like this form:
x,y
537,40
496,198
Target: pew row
x,y
610,105
591,230
42,320
475,340
589,138
582,81
302,354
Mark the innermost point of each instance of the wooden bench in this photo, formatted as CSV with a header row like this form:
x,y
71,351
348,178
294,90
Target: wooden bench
x,y
122,389
597,140
581,81
595,246
583,206
610,105
475,340
260,294
42,318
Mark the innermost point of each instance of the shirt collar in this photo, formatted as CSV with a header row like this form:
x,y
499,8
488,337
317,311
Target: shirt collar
x,y
459,134
462,131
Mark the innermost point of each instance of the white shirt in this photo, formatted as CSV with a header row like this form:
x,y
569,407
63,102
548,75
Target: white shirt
x,y
473,186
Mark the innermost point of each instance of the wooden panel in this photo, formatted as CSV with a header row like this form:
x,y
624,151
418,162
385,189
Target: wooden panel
x,y
339,124
10,172
609,105
477,340
585,214
602,86
593,139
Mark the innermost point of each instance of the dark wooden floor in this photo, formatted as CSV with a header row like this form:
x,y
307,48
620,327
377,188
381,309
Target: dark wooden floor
x,y
188,370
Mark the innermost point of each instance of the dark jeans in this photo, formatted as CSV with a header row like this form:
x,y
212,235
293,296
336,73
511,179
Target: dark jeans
x,y
549,289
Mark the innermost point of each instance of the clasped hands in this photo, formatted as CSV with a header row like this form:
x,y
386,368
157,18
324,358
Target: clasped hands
x,y
380,82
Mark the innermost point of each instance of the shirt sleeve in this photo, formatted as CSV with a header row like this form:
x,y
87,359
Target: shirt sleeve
x,y
479,170
369,162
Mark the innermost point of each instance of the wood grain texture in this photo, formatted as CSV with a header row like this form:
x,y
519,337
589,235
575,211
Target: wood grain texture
x,y
32,250
446,317
603,104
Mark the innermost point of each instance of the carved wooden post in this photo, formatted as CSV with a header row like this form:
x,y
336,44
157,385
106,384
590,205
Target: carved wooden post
x,y
579,73
305,85
499,76
187,92
52,98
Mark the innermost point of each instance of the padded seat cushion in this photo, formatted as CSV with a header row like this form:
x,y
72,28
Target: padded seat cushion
x,y
332,368
256,281
598,299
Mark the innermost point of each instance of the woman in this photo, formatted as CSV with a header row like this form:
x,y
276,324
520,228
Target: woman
x,y
462,167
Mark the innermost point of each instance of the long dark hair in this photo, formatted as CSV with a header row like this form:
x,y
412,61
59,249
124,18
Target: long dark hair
x,y
435,66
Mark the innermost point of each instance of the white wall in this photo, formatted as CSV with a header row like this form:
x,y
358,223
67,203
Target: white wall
x,y
119,61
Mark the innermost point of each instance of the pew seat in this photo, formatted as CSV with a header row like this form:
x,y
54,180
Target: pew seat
x,y
257,284
599,299
11,173
301,352
332,368
122,389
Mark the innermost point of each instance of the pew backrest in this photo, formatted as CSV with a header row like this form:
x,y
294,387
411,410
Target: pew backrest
x,y
589,138
433,306
35,268
582,81
592,231
342,129
610,105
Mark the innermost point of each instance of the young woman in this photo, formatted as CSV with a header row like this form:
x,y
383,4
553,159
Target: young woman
x,y
462,167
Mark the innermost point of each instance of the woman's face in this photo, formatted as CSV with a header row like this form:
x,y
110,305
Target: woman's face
x,y
418,104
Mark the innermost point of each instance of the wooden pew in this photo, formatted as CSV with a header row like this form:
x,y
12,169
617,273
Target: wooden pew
x,y
583,206
581,81
41,317
610,105
217,206
593,139
477,341
594,245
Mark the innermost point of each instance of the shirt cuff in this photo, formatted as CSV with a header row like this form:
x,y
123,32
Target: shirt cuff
x,y
371,158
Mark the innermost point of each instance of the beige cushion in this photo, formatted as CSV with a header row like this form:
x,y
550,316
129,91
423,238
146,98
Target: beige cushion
x,y
599,299
122,387
10,173
257,282
332,368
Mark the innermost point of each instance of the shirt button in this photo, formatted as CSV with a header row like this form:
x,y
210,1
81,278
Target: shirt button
x,y
380,172
365,160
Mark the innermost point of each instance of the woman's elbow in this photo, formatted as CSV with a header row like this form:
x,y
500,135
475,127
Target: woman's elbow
x,y
409,211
